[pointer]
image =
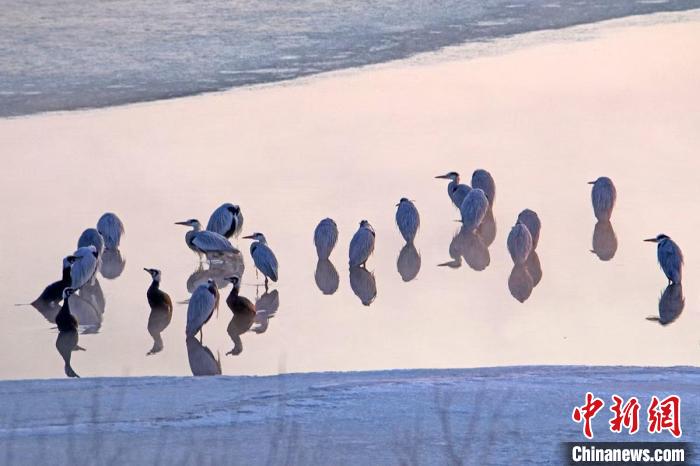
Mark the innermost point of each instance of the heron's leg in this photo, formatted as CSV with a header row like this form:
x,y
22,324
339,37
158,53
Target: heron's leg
x,y
266,285
201,335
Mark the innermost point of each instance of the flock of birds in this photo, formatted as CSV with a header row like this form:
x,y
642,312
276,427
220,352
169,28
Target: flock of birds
x,y
98,249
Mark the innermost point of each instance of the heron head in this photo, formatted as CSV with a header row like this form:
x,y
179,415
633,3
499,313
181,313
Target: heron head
x,y
67,292
454,176
658,238
403,199
154,273
193,222
71,259
233,208
256,236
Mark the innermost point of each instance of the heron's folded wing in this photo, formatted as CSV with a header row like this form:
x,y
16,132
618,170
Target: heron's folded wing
x,y
208,241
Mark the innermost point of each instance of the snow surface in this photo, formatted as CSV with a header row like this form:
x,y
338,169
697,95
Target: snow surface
x,y
511,415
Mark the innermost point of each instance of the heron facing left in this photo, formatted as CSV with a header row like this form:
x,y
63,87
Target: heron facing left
x,y
263,257
670,257
207,243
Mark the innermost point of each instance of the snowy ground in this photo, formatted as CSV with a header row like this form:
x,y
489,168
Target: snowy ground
x,y
483,416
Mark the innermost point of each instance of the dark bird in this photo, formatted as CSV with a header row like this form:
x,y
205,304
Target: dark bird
x,y
237,303
65,321
670,257
161,310
54,292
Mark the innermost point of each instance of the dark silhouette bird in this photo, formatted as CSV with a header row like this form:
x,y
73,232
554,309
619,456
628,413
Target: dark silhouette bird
x,y
670,257
65,321
237,303
161,310
54,292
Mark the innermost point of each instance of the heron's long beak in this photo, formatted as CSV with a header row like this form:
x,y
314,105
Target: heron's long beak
x,y
444,177
398,204
147,270
249,237
651,240
187,223
591,182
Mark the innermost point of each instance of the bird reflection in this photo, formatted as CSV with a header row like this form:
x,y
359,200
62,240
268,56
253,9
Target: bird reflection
x,y
487,229
240,323
217,271
326,276
671,304
408,263
88,306
473,249
201,359
363,284
66,343
604,240
534,268
266,307
112,264
520,282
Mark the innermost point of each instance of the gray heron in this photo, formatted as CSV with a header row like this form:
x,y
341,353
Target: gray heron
x,y
481,179
670,257
54,292
326,277
84,267
531,220
407,219
456,190
519,243
263,257
474,208
408,262
363,284
237,303
207,243
203,302
161,310
671,304
65,321
92,237
111,228
361,244
226,220
604,240
325,237
603,196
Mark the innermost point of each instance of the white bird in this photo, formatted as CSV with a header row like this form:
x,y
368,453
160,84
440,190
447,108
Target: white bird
x,y
474,208
111,228
483,180
203,302
92,237
263,257
603,196
530,219
325,237
362,244
519,243
407,219
83,269
209,243
456,190
226,220
670,257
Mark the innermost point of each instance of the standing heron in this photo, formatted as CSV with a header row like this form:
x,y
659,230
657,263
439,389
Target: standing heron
x,y
237,303
407,219
603,196
362,244
325,237
92,237
111,228
456,190
161,310
207,243
474,208
531,220
519,243
483,180
84,267
226,220
670,257
54,292
203,302
65,321
263,257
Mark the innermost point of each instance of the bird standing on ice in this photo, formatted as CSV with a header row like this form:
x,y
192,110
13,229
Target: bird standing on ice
x,y
603,196
456,190
519,243
473,209
325,237
670,257
407,219
263,257
206,243
362,244
203,302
